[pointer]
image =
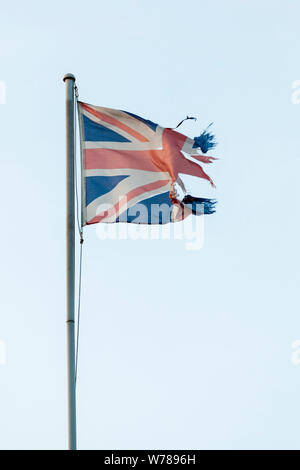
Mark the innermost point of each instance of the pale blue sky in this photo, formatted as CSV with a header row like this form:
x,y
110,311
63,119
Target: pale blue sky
x,y
178,349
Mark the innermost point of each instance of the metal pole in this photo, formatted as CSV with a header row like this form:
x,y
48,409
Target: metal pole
x,y
69,80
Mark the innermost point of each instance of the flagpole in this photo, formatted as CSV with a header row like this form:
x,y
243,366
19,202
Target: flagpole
x,y
69,80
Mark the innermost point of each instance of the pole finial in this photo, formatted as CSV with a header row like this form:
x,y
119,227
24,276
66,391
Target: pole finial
x,y
69,76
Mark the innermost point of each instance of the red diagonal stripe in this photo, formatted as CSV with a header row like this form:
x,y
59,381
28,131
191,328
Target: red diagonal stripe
x,y
132,194
114,122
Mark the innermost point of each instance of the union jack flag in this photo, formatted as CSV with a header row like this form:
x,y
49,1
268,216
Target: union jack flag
x,y
131,168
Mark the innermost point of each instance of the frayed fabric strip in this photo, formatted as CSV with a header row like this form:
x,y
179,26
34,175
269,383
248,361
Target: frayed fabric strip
x,y
205,141
199,205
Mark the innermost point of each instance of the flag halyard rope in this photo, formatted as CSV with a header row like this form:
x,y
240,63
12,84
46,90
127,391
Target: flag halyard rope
x,y
80,231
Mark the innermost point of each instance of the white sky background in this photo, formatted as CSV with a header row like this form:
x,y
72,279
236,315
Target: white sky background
x,y
179,349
